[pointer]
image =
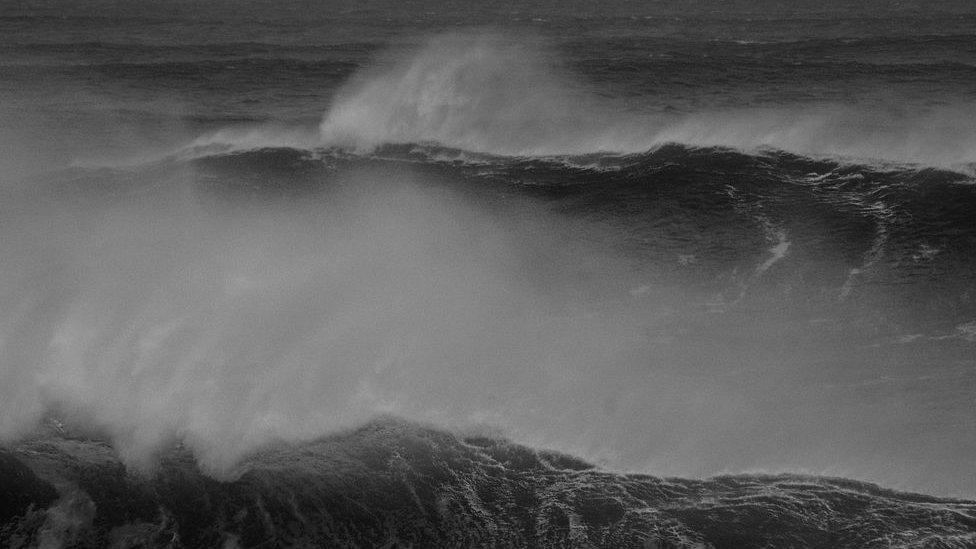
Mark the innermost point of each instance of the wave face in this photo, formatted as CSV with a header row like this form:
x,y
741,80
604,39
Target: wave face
x,y
393,484
238,299
478,92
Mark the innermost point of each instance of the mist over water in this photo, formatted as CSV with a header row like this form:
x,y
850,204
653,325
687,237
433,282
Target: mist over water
x,y
156,317
495,93
474,91
152,308
471,231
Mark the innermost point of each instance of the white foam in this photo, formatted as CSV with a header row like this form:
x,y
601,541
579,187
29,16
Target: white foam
x,y
884,217
233,140
777,251
496,94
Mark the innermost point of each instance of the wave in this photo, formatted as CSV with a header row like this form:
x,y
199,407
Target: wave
x,y
392,483
484,93
463,288
494,94
254,147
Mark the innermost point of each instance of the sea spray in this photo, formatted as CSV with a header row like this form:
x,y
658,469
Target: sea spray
x,y
168,318
499,94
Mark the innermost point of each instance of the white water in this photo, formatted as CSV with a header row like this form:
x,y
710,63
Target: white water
x,y
153,314
155,317
496,94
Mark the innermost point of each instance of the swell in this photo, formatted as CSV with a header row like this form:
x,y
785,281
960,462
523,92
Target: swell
x,y
495,94
826,223
921,49
498,95
393,483
512,289
881,50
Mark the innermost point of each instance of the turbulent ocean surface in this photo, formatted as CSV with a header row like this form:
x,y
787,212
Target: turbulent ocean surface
x,y
444,273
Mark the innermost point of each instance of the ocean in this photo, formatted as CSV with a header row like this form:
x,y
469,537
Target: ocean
x,y
440,273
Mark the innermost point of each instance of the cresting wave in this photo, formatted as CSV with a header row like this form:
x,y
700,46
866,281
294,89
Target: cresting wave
x,y
495,94
392,484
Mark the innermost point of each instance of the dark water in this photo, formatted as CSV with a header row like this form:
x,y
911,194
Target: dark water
x,y
390,484
673,238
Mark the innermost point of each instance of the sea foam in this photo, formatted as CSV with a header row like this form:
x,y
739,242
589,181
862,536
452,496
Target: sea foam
x,y
497,94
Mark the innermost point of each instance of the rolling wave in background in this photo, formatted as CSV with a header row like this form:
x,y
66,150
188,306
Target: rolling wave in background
x,y
495,94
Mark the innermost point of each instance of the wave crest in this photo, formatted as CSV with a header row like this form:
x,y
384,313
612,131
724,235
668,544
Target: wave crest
x,y
481,92
489,93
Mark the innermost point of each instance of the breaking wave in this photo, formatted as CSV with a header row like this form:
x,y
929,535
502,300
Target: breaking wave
x,y
495,94
392,483
196,302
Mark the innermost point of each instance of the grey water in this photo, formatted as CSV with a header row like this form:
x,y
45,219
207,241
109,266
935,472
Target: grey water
x,y
679,238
